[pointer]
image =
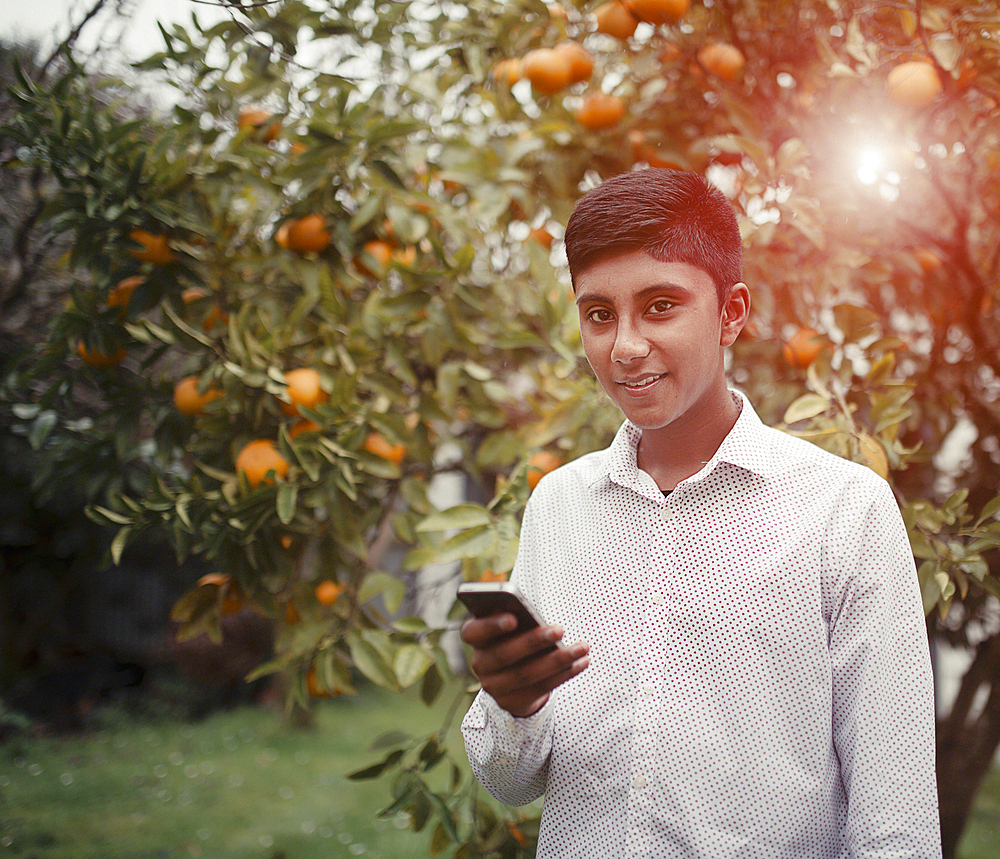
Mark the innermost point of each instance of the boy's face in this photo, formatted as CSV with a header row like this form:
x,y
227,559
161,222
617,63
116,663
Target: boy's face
x,y
655,337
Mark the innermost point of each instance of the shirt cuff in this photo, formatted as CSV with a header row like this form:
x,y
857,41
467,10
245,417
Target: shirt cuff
x,y
514,724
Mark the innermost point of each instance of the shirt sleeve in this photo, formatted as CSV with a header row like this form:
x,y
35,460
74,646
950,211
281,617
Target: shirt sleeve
x,y
509,756
883,694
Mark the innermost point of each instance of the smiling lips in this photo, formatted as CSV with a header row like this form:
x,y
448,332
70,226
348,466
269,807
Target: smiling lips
x,y
642,383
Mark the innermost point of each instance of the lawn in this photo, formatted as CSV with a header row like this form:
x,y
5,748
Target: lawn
x,y
240,784
236,784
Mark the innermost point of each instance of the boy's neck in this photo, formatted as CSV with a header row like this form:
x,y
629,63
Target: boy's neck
x,y
673,453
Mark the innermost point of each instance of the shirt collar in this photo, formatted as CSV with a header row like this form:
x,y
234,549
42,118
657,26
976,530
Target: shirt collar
x,y
744,447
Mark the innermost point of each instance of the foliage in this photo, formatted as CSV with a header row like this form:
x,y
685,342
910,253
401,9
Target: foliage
x,y
437,324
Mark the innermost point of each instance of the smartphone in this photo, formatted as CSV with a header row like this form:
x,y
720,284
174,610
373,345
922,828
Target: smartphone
x,y
483,599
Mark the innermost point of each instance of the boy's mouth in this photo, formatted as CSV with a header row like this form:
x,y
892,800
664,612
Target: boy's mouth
x,y
639,384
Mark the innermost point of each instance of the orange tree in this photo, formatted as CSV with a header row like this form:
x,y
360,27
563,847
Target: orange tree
x,y
387,222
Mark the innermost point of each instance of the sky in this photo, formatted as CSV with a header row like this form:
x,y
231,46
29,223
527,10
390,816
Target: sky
x,y
50,21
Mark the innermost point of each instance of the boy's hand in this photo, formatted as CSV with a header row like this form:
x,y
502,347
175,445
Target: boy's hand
x,y
519,672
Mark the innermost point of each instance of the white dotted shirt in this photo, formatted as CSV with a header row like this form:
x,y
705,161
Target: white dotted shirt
x,y
760,682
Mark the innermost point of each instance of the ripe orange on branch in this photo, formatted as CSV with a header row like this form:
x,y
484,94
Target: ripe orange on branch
x,y
327,591
154,247
600,110
307,234
930,261
540,464
257,119
581,63
914,84
507,71
303,390
189,400
257,459
97,358
377,444
801,349
121,294
722,60
378,250
230,597
658,11
548,70
614,19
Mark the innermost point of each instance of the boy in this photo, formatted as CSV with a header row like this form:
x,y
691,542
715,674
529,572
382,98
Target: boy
x,y
751,675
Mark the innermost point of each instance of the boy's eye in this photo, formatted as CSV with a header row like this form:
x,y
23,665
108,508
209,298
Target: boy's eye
x,y
661,306
599,314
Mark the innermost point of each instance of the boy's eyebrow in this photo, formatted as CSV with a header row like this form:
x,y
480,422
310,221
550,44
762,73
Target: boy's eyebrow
x,y
646,292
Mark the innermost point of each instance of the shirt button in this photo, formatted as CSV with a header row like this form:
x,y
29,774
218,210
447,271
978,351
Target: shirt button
x,y
639,783
667,514
659,599
648,688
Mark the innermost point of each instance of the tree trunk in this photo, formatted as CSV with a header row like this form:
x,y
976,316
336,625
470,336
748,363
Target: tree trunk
x,y
967,741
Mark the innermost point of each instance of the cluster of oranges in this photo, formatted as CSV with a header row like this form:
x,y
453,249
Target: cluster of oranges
x,y
552,69
147,247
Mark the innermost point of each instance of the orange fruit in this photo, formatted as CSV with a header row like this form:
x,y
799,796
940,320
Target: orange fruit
x,y
600,110
722,60
230,598
930,261
490,576
215,315
257,118
189,400
281,234
305,235
405,256
658,11
154,247
96,358
299,427
914,84
507,71
303,390
540,464
801,349
121,294
314,687
542,236
581,63
257,459
375,443
548,70
378,250
327,591
614,19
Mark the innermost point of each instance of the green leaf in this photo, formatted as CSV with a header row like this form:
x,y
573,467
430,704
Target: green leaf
x,y
391,589
431,686
445,815
375,770
468,544
459,517
119,543
287,497
410,663
805,407
991,509
370,662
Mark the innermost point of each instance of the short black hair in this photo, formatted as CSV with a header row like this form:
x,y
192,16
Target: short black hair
x,y
672,215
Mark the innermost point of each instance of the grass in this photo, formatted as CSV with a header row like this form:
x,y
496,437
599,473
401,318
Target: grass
x,y
237,784
240,784
982,834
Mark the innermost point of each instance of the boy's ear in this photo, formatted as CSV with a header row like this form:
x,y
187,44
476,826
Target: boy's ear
x,y
735,313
